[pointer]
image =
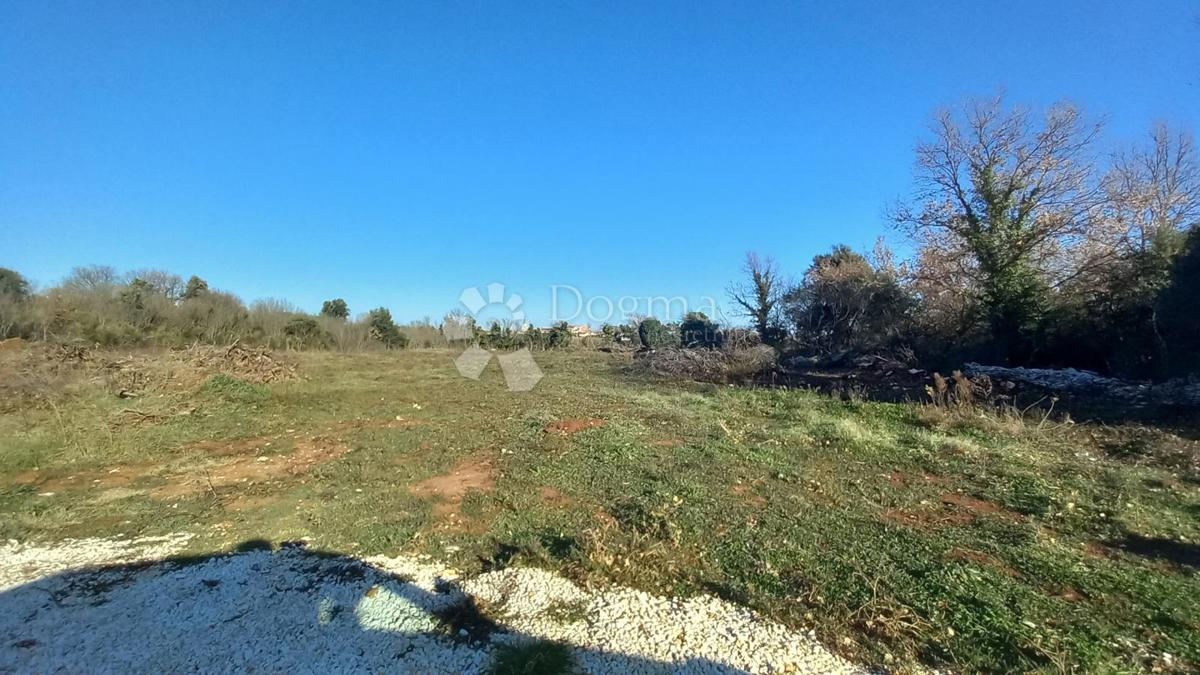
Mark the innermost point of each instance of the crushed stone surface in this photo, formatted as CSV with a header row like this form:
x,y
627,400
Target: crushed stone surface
x,y
1179,391
113,605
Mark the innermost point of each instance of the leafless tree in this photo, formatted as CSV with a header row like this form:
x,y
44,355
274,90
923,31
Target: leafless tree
x,y
90,278
759,292
1155,188
167,284
1151,194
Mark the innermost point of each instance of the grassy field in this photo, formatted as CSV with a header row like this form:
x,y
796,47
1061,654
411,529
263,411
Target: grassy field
x,y
901,534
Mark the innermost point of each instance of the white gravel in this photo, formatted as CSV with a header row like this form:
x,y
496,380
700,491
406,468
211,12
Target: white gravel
x,y
1178,391
293,610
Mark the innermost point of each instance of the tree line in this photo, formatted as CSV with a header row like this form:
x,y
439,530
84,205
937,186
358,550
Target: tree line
x,y
98,305
1032,248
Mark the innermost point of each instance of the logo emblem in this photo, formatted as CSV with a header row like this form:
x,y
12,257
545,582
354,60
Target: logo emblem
x,y
521,372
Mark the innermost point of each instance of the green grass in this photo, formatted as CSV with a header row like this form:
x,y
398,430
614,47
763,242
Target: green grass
x,y
898,533
535,658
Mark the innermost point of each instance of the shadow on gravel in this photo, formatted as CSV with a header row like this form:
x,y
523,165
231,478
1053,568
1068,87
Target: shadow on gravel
x,y
261,609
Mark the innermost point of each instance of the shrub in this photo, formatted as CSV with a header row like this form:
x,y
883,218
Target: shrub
x,y
195,288
383,329
654,335
845,303
621,335
142,305
697,331
14,302
13,285
499,335
212,316
1177,308
304,331
336,308
559,336
533,658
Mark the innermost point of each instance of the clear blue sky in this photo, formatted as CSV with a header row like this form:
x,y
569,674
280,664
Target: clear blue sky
x,y
394,153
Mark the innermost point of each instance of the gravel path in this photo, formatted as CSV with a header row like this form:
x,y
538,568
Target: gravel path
x,y
297,610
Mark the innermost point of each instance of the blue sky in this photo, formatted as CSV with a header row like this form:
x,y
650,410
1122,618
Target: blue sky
x,y
395,153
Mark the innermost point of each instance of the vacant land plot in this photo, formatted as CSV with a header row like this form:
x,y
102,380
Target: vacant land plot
x,y
899,533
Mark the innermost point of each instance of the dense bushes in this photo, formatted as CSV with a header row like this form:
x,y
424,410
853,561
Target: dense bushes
x,y
14,303
846,303
1176,311
654,335
698,331
97,305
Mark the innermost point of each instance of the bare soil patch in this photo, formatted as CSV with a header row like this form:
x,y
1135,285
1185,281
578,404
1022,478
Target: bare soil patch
x,y
117,477
982,559
449,488
247,445
923,519
572,426
245,469
748,495
979,506
953,509
551,495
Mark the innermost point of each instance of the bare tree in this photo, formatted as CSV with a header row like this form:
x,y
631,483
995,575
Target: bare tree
x,y
89,278
1013,193
1154,189
758,294
169,285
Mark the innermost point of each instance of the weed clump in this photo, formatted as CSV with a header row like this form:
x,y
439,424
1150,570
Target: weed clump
x,y
235,390
534,658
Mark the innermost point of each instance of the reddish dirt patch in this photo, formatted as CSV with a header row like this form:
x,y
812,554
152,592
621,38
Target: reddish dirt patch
x,y
953,509
551,495
248,445
979,506
240,469
748,494
982,559
1070,595
572,426
925,519
27,477
449,488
